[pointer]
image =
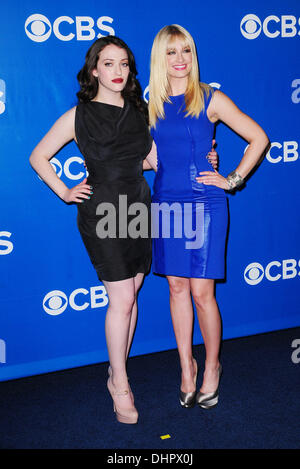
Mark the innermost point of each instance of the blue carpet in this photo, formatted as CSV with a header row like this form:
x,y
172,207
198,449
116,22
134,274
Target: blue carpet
x,y
258,407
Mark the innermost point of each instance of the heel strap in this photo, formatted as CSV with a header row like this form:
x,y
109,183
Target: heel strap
x,y
120,393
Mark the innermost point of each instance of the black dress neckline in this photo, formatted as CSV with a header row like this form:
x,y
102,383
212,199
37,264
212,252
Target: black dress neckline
x,y
107,104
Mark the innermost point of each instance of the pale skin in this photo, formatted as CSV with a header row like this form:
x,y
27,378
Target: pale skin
x,y
122,311
179,63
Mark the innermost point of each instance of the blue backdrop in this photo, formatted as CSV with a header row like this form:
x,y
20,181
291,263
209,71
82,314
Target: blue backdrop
x,y
52,305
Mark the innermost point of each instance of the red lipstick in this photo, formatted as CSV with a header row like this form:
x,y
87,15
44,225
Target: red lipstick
x,y
118,80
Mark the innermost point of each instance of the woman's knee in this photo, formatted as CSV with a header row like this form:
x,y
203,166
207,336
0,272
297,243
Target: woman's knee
x,y
178,286
121,295
203,294
203,298
124,303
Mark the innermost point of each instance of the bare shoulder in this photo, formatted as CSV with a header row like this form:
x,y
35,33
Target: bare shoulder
x,y
219,104
66,122
211,114
68,116
63,129
220,97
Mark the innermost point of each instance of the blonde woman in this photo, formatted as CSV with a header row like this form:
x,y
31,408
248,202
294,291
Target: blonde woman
x,y
182,113
110,127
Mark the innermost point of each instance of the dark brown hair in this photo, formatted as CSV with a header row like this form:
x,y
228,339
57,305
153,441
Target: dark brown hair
x,y
89,83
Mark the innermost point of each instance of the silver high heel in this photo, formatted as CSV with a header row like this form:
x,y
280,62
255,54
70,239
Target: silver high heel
x,y
210,399
187,399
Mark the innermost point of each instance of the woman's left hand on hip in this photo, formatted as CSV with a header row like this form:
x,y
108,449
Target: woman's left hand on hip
x,y
213,178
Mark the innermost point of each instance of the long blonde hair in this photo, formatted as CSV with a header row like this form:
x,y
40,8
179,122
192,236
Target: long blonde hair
x,y
159,88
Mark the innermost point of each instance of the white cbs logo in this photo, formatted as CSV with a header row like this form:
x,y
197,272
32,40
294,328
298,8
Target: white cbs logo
x,y
72,168
287,152
273,26
2,351
275,270
6,246
38,28
146,94
296,93
2,96
56,301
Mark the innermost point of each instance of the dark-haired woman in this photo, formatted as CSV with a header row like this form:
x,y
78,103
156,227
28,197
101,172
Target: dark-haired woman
x,y
110,127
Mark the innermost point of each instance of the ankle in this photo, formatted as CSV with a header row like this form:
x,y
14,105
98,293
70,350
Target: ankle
x,y
212,366
120,384
188,367
187,362
118,377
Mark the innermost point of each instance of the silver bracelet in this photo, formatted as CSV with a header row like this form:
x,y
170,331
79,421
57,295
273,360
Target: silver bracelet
x,y
234,180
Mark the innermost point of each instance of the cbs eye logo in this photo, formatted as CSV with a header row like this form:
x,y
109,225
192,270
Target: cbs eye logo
x,y
285,26
146,94
71,168
55,302
84,28
250,26
254,273
38,28
274,270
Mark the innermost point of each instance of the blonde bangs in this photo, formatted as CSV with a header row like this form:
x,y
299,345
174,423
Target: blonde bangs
x,y
159,88
177,35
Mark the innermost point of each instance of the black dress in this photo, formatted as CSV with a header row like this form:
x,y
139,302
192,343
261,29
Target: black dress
x,y
114,142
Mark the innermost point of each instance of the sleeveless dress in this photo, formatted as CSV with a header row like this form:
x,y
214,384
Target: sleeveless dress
x,y
189,218
114,141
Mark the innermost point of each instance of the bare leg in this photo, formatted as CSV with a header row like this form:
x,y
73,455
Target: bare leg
x,y
210,325
117,326
138,280
183,317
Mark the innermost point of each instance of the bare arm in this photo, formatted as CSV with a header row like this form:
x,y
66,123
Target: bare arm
x,y
150,162
146,165
223,108
62,132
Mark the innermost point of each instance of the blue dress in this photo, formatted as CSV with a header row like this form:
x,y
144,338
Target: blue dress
x,y
189,219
